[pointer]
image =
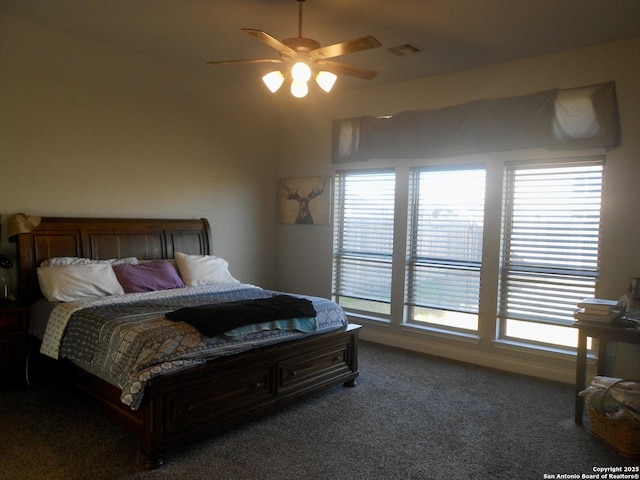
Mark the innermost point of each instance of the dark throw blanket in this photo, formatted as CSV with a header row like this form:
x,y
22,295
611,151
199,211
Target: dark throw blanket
x,y
215,319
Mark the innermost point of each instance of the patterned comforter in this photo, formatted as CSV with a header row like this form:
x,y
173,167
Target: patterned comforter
x,y
126,339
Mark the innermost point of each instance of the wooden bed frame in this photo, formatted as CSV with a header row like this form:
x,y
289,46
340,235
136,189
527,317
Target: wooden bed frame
x,y
185,406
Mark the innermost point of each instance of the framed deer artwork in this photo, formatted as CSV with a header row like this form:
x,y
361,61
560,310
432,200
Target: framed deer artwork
x,y
305,201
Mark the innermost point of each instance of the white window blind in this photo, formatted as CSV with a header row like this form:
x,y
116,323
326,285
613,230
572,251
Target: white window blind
x,y
551,230
363,240
445,245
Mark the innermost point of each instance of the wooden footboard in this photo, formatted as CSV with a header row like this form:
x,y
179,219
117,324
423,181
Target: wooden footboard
x,y
186,406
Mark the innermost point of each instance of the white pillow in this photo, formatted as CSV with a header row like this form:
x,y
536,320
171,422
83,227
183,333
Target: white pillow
x,y
67,283
198,270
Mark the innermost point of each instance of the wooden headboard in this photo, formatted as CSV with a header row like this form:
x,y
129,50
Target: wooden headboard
x,y
103,238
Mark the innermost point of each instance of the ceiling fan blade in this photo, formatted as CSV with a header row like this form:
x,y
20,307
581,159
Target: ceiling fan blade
x,y
347,69
239,62
284,50
351,46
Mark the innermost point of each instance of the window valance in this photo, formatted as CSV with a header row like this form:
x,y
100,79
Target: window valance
x,y
559,119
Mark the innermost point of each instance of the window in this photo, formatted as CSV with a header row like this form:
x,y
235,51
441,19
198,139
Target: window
x,y
543,247
550,240
363,241
446,218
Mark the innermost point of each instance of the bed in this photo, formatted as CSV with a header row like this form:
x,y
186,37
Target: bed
x,y
229,378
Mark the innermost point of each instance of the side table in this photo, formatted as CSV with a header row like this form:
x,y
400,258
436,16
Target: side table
x,y
605,334
14,325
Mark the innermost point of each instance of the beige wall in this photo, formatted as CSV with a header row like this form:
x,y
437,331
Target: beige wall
x,y
73,143
305,249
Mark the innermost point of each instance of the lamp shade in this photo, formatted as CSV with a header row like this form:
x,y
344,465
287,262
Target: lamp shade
x,y
326,80
299,89
301,72
273,80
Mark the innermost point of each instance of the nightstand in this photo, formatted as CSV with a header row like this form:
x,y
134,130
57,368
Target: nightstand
x,y
605,334
14,325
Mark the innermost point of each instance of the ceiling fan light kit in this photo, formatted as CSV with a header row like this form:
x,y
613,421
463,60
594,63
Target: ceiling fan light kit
x,y
300,74
304,58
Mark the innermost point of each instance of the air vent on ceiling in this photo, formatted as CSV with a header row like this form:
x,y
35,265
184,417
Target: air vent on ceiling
x,y
404,49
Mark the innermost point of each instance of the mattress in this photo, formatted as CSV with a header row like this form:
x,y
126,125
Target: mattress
x,y
126,339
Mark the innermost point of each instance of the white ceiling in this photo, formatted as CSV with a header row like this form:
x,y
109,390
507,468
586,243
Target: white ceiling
x,y
452,34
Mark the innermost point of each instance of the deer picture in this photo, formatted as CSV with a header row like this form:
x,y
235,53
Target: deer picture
x,y
304,213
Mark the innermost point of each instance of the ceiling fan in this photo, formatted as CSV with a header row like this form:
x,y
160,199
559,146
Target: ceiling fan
x,y
303,57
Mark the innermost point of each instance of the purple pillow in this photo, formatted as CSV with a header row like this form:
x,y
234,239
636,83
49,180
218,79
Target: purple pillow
x,y
148,276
